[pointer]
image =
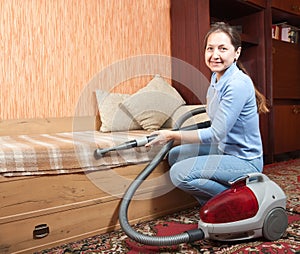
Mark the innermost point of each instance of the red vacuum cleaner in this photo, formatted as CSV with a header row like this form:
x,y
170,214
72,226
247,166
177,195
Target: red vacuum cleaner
x,y
253,207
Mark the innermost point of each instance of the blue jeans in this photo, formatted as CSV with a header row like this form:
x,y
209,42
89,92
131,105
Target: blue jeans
x,y
204,172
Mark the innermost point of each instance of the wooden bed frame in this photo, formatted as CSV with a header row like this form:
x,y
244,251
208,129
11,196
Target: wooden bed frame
x,y
44,211
39,212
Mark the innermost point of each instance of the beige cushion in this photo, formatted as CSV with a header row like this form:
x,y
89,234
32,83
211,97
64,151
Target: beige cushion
x,y
181,111
111,116
152,105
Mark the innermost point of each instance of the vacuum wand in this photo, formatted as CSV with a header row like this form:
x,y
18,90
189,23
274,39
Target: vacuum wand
x,y
127,145
99,153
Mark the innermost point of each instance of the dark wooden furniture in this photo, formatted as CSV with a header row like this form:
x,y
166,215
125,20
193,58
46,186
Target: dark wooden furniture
x,y
285,83
273,65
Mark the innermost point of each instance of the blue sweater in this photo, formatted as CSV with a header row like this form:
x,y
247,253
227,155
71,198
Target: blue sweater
x,y
232,109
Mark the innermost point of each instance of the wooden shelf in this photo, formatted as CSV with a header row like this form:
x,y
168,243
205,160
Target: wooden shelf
x,y
278,16
231,9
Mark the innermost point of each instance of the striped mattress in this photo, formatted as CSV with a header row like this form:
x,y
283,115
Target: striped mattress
x,y
70,152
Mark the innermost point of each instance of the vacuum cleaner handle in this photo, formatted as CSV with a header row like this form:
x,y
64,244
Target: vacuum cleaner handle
x,y
99,152
257,177
248,178
143,141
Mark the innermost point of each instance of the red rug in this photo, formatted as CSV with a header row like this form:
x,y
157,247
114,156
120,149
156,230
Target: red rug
x,y
286,174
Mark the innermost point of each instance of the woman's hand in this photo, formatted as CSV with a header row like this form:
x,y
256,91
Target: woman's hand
x,y
163,136
179,137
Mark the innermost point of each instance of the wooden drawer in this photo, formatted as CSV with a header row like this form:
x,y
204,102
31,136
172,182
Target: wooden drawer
x,y
291,6
286,74
84,221
286,128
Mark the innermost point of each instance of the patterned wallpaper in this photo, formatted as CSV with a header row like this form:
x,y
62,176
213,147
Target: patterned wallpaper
x,y
52,49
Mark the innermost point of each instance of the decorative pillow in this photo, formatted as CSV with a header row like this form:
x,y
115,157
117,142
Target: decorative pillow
x,y
152,105
170,123
111,116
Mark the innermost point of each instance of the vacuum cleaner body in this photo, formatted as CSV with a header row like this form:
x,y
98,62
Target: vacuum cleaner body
x,y
253,207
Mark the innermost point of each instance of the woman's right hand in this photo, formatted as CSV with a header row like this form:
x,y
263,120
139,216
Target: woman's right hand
x,y
163,136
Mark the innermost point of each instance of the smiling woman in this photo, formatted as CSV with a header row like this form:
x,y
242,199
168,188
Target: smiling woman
x,y
227,43
231,147
220,53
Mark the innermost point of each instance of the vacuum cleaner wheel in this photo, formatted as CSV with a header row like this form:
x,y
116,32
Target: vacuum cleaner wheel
x,y
275,224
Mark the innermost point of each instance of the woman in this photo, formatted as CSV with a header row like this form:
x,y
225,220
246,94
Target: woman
x,y
208,158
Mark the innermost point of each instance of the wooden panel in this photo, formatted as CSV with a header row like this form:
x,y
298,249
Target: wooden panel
x,y
291,6
62,191
190,22
75,224
286,128
286,75
261,3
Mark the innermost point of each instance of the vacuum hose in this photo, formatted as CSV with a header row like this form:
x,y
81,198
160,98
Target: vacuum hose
x,y
185,237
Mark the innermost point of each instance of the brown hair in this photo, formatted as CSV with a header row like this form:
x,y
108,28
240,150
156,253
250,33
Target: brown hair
x,y
236,42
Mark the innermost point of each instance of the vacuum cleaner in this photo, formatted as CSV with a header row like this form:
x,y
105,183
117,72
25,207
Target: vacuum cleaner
x,y
254,206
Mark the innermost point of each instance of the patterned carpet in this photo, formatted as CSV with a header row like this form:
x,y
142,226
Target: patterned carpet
x,y
286,174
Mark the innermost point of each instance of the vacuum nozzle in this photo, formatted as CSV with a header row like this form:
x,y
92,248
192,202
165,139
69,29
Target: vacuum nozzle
x,y
99,153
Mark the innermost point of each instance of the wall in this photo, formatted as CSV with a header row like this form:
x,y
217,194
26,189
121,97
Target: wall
x,y
51,49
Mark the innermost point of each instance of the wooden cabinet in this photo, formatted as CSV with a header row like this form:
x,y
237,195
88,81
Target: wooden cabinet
x,y
286,63
285,86
286,128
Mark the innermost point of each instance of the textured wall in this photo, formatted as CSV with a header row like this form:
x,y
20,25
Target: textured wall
x,y
51,49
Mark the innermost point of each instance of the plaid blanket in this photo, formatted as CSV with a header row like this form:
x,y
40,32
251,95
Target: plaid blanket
x,y
70,152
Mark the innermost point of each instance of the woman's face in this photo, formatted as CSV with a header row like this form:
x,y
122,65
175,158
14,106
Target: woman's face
x,y
220,53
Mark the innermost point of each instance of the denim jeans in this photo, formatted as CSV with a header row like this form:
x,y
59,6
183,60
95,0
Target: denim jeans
x,y
204,172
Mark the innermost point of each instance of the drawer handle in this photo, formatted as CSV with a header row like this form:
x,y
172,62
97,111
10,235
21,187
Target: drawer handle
x,y
41,231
